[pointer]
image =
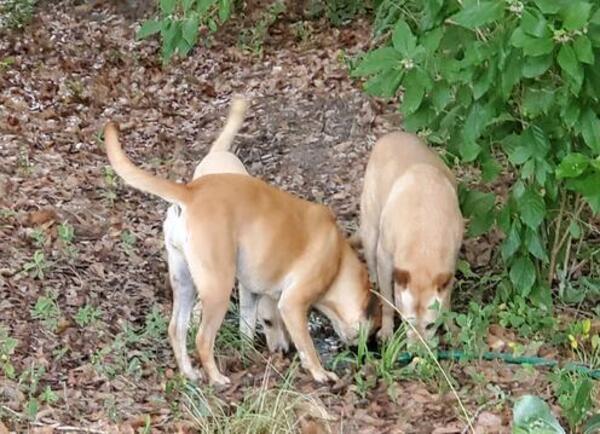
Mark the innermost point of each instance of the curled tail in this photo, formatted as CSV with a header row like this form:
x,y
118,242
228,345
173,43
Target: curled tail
x,y
139,178
232,126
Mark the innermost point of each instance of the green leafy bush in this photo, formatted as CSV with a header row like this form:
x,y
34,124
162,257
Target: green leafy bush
x,y
180,22
506,86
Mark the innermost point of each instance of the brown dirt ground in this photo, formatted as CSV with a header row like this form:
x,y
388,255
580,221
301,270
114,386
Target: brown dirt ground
x,y
308,131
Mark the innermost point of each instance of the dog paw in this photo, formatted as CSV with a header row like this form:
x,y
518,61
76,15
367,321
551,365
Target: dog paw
x,y
385,333
219,380
192,374
323,376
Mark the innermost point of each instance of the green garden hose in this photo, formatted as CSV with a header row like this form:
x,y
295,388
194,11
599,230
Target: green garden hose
x,y
406,358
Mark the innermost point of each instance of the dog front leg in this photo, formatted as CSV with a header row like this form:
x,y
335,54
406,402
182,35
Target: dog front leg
x,y
294,312
248,312
385,281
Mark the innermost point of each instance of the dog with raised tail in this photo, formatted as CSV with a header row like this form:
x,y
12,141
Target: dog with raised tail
x,y
253,308
411,229
273,242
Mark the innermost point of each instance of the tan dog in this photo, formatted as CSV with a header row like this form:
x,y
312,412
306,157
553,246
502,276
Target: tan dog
x,y
252,307
275,243
411,229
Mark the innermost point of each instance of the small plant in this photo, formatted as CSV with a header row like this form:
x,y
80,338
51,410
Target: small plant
x,y
7,348
39,237
66,235
531,415
585,345
128,240
16,14
575,394
30,378
529,320
155,326
46,309
472,327
180,21
251,40
87,315
48,396
6,62
110,185
37,266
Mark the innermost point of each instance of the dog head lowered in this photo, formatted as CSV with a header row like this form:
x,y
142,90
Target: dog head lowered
x,y
350,304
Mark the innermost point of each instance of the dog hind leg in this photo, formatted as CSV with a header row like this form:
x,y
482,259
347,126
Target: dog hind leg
x,y
183,301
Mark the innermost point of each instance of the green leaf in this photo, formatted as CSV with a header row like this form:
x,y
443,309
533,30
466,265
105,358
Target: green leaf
x,y
532,208
171,33
490,169
385,84
576,14
431,40
204,5
469,150
588,184
478,14
403,39
478,207
569,64
522,274
224,10
538,46
212,25
572,166
512,242
167,6
476,121
511,74
150,27
189,29
548,6
583,49
520,155
536,101
482,84
414,91
592,426
570,113
534,245
534,23
187,4
590,129
377,61
441,96
536,66
532,415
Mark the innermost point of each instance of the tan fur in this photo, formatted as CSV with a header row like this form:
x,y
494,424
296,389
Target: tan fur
x,y
411,227
252,308
275,243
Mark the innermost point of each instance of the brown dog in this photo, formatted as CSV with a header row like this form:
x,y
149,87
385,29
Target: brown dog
x,y
274,243
411,229
252,308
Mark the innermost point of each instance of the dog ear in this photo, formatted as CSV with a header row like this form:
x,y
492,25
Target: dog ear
x,y
442,281
401,277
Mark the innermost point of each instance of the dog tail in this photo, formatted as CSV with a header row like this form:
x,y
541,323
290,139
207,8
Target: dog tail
x,y
232,126
139,178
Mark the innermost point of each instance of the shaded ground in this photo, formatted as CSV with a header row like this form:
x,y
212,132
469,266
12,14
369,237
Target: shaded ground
x,y
308,131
